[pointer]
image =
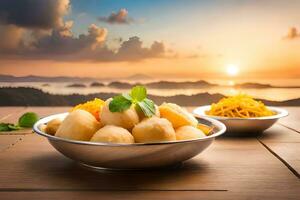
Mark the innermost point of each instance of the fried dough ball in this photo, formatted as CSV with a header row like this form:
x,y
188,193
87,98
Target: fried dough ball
x,y
188,133
42,127
113,134
177,115
78,125
126,119
153,129
52,126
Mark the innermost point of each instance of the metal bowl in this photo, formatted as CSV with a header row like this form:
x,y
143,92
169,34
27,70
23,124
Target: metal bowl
x,y
244,126
130,156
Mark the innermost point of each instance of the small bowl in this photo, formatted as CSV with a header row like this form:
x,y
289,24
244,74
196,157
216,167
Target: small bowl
x,y
130,156
244,126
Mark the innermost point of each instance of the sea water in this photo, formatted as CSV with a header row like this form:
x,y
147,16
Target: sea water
x,y
226,88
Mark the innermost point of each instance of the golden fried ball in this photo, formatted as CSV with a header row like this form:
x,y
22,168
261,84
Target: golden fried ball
x,y
188,133
42,127
177,115
52,126
126,119
78,125
113,134
153,129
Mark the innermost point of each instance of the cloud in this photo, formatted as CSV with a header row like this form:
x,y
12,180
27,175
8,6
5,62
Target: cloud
x,y
293,33
133,50
61,44
120,17
61,41
10,37
41,14
38,31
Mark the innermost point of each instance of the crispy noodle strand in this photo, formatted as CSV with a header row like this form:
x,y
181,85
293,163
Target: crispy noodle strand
x,y
240,106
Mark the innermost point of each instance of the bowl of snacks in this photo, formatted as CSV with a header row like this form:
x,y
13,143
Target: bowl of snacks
x,y
242,115
128,131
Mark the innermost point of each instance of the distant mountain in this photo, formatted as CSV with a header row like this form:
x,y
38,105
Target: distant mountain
x,y
252,85
35,97
96,84
121,85
179,85
261,86
76,85
163,84
31,78
122,82
137,77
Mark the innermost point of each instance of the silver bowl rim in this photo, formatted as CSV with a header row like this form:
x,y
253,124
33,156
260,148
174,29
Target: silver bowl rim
x,y
200,112
36,129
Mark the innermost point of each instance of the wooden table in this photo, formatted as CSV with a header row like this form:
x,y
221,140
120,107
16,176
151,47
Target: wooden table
x,y
232,168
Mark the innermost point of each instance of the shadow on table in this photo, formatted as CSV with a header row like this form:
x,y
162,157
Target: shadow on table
x,y
249,134
68,174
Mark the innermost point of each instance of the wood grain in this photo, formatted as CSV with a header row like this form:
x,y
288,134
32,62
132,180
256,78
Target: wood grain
x,y
6,112
41,111
284,143
278,133
288,153
232,168
45,111
144,195
293,120
230,164
8,141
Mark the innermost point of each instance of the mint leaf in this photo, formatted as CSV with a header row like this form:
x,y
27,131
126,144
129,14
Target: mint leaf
x,y
138,93
137,97
13,127
4,127
28,119
8,127
147,106
127,96
119,104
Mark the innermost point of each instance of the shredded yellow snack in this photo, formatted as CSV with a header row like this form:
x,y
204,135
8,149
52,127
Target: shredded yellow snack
x,y
240,106
92,107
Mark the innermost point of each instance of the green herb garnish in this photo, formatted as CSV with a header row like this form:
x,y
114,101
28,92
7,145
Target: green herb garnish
x,y
147,106
8,127
137,97
138,93
119,104
26,120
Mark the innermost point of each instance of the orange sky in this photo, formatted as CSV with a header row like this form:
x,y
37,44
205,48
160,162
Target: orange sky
x,y
200,40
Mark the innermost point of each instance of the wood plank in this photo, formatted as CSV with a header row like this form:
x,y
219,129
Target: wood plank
x,y
7,141
288,153
45,111
282,141
41,111
236,165
134,195
278,133
5,112
241,167
285,144
145,195
293,120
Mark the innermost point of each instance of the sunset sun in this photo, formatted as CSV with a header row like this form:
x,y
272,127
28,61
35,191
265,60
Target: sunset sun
x,y
232,70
